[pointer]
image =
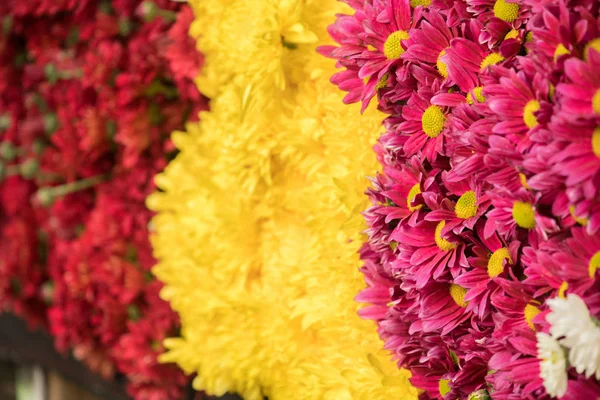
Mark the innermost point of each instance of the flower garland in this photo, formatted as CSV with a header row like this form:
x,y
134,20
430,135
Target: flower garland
x,y
256,232
483,242
86,112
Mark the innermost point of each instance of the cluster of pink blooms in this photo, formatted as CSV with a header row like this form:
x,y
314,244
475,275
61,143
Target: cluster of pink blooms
x,y
488,202
89,93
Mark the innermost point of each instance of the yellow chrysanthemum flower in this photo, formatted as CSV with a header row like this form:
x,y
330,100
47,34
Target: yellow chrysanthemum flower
x,y
258,219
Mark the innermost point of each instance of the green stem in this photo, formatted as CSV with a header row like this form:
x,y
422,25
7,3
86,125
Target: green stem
x,y
47,195
76,186
43,178
167,15
151,11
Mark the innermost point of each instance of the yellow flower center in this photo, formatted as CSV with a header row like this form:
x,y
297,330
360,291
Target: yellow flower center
x,y
478,92
592,44
458,295
392,48
562,289
555,356
529,37
495,264
560,51
596,142
530,312
383,81
444,386
417,3
433,121
596,102
491,59
524,214
414,191
442,243
506,11
523,180
551,90
594,264
441,66
512,34
466,206
580,220
528,116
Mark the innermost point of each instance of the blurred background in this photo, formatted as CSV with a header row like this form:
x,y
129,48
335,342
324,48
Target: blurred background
x,y
32,369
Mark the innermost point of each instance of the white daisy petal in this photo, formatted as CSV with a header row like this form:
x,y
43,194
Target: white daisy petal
x,y
573,327
553,365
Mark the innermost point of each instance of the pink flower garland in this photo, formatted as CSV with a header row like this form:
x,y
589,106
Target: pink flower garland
x,y
488,202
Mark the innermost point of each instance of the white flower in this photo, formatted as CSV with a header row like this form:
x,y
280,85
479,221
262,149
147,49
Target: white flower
x,y
567,317
572,325
553,365
585,355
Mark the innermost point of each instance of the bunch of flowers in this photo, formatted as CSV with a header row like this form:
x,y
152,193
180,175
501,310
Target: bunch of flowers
x,y
86,109
483,246
256,232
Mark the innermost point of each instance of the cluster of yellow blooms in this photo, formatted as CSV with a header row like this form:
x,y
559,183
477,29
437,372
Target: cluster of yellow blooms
x,y
258,219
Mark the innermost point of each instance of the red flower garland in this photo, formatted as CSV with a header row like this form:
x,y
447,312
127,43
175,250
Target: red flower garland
x,y
86,109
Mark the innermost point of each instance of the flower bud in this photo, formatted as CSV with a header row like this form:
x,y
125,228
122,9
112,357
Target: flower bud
x,y
8,151
50,123
133,312
29,168
45,197
480,394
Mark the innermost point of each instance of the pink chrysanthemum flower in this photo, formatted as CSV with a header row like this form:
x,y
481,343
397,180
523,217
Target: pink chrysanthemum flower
x,y
573,260
468,380
471,204
492,259
515,377
496,127
562,30
434,374
429,43
430,251
519,106
372,42
467,60
548,40
513,213
379,293
426,123
579,160
581,93
399,193
518,316
500,17
443,307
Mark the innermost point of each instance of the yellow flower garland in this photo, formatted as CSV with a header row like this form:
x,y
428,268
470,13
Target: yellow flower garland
x,y
258,217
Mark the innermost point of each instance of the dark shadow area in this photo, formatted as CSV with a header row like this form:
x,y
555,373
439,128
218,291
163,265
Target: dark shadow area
x,y
21,345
